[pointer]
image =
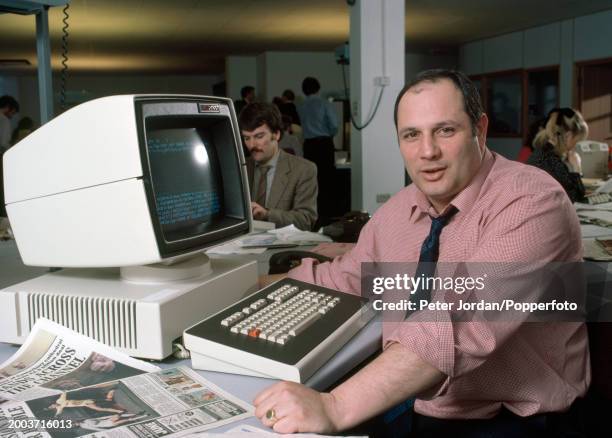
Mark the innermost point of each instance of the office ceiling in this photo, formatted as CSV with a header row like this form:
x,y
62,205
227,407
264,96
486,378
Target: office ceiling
x,y
195,36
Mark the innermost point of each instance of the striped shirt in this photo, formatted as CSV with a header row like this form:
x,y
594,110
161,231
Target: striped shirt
x,y
510,212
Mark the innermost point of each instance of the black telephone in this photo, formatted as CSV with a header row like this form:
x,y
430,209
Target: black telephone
x,y
349,226
283,261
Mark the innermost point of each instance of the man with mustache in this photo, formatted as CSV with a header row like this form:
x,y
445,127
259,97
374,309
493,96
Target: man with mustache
x,y
283,187
470,379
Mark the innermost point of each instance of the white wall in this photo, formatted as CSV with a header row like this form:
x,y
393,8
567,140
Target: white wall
x,y
240,71
417,62
542,46
82,87
562,43
287,70
592,36
261,87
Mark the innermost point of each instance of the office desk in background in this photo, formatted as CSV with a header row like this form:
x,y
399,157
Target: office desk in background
x,y
365,344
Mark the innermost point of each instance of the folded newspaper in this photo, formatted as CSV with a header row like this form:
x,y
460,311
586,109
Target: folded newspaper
x,y
61,384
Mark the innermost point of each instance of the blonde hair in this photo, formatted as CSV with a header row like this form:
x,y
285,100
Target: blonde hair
x,y
559,123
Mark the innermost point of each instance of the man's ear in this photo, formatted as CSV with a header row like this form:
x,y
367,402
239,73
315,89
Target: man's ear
x,y
481,130
276,135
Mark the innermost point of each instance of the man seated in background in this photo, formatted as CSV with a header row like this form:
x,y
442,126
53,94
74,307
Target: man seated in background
x,y
283,186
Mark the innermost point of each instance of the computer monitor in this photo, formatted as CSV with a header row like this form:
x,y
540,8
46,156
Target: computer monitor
x,y
594,156
128,191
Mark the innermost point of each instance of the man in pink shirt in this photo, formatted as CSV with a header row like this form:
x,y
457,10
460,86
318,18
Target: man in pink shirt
x,y
467,377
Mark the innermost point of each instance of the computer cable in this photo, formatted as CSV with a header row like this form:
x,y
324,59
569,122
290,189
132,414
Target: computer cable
x,y
64,71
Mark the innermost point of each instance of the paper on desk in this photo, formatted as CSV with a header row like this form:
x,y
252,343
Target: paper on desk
x,y
594,251
248,431
597,217
288,234
589,230
292,234
234,247
605,206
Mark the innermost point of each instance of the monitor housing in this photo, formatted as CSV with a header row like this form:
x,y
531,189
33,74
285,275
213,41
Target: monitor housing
x,y
594,156
127,192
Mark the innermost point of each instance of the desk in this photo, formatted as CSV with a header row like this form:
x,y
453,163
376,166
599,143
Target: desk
x,y
366,343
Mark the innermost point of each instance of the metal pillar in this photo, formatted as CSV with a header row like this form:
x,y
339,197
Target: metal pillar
x,y
43,49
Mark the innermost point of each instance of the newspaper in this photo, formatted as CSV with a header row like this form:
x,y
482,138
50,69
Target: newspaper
x,y
248,431
55,359
63,385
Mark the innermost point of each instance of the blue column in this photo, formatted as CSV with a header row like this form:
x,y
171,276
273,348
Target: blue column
x,y
45,88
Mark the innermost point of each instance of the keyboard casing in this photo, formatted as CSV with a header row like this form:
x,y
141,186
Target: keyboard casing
x,y
215,348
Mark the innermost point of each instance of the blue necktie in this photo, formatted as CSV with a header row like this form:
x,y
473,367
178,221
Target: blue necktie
x,y
429,255
426,267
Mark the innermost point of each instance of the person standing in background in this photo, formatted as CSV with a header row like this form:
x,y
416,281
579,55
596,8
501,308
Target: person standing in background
x,y
8,108
319,126
248,96
287,106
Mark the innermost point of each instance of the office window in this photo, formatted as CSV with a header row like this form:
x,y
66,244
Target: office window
x,y
504,104
515,100
542,94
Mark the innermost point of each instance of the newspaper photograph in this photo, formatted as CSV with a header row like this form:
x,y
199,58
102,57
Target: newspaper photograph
x,y
170,403
54,359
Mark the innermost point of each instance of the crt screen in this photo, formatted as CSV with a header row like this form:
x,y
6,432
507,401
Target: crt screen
x,y
186,182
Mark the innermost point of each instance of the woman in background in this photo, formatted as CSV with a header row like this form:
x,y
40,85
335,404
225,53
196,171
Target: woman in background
x,y
555,149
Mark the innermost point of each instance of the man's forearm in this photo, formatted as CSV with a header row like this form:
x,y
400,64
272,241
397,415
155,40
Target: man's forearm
x,y
394,376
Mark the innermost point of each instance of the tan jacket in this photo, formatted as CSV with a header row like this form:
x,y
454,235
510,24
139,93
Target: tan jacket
x,y
293,196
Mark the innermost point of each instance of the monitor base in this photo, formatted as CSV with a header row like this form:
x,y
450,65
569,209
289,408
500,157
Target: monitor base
x,y
192,267
142,320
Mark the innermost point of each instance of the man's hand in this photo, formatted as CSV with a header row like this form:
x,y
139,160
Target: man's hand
x,y
259,213
396,375
296,408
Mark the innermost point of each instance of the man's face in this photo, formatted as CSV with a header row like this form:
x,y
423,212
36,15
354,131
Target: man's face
x,y
262,143
8,111
440,151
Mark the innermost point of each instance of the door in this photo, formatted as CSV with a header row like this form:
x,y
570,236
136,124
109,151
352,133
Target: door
x,y
595,99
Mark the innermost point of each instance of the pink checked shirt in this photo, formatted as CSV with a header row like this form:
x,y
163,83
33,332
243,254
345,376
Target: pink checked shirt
x,y
510,212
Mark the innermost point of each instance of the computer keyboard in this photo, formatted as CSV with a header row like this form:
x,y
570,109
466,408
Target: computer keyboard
x,y
287,330
599,198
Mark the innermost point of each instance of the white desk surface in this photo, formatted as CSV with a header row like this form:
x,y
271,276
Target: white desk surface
x,y
363,345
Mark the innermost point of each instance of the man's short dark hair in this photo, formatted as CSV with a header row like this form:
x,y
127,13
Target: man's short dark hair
x,y
310,85
471,95
10,102
258,114
244,91
289,95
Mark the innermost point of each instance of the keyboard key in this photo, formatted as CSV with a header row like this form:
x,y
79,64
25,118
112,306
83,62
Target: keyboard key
x,y
306,322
